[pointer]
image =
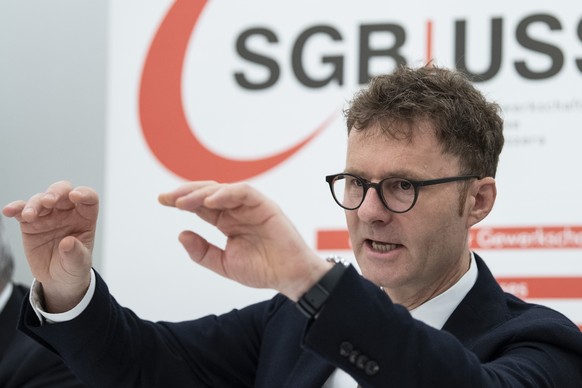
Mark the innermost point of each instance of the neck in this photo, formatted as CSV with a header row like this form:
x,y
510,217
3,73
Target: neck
x,y
416,296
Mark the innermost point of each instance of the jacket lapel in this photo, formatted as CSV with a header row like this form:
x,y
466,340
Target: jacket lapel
x,y
482,308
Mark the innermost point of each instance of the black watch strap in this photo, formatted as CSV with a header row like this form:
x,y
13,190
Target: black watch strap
x,y
313,300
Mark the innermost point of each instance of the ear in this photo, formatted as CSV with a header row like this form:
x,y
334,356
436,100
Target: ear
x,y
482,194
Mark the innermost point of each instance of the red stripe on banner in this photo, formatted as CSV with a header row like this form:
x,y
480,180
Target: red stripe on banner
x,y
333,240
530,237
543,287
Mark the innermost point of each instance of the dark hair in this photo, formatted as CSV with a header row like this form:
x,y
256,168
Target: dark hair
x,y
465,123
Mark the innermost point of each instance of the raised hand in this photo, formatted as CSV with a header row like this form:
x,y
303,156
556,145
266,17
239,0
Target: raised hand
x,y
58,234
263,248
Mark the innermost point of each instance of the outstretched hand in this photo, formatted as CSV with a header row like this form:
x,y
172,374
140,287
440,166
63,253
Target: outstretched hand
x,y
263,249
58,233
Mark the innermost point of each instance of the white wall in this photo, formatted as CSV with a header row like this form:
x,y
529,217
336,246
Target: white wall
x,y
52,100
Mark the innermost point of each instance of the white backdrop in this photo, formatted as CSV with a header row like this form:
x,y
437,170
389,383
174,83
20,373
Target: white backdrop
x,y
171,70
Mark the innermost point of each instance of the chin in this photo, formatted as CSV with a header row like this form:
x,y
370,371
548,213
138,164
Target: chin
x,y
373,276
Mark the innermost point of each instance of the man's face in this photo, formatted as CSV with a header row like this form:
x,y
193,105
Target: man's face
x,y
418,254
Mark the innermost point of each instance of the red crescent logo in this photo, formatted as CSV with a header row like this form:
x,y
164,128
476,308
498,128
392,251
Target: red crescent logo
x,y
164,124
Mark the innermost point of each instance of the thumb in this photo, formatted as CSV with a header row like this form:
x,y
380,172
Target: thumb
x,y
196,246
75,257
71,275
204,253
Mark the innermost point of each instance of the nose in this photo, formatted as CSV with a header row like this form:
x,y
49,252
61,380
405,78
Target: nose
x,y
372,208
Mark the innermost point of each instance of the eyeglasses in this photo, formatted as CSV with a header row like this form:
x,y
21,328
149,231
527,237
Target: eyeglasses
x,y
397,194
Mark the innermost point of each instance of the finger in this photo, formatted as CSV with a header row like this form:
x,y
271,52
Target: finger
x,y
233,196
33,208
243,203
216,196
202,252
63,197
14,209
190,197
170,198
57,193
41,204
38,202
193,200
84,197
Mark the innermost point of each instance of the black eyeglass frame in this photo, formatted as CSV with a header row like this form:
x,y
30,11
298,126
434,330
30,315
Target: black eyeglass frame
x,y
330,179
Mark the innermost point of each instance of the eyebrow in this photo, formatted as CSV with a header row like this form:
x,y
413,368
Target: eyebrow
x,y
402,173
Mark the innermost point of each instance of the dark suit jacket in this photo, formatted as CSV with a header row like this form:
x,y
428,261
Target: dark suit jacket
x,y
491,340
23,362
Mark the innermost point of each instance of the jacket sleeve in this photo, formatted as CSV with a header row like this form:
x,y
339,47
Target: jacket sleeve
x,y
379,344
109,346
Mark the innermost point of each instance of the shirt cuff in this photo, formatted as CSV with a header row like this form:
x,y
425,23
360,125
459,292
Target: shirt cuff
x,y
36,301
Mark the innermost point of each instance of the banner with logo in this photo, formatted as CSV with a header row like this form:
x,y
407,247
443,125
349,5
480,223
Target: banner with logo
x,y
253,91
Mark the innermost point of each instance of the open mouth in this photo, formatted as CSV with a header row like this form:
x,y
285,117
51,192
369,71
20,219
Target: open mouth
x,y
382,247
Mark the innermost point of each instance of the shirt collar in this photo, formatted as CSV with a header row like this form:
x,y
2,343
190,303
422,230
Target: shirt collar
x,y
437,310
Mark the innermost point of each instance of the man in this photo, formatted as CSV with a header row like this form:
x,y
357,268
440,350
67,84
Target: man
x,y
23,362
423,147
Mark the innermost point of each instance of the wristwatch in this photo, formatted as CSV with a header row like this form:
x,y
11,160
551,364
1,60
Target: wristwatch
x,y
313,300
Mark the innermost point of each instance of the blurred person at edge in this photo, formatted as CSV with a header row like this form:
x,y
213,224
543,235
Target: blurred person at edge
x,y
423,149
24,363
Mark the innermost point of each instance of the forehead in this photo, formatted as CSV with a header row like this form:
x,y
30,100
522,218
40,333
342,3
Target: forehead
x,y
374,154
